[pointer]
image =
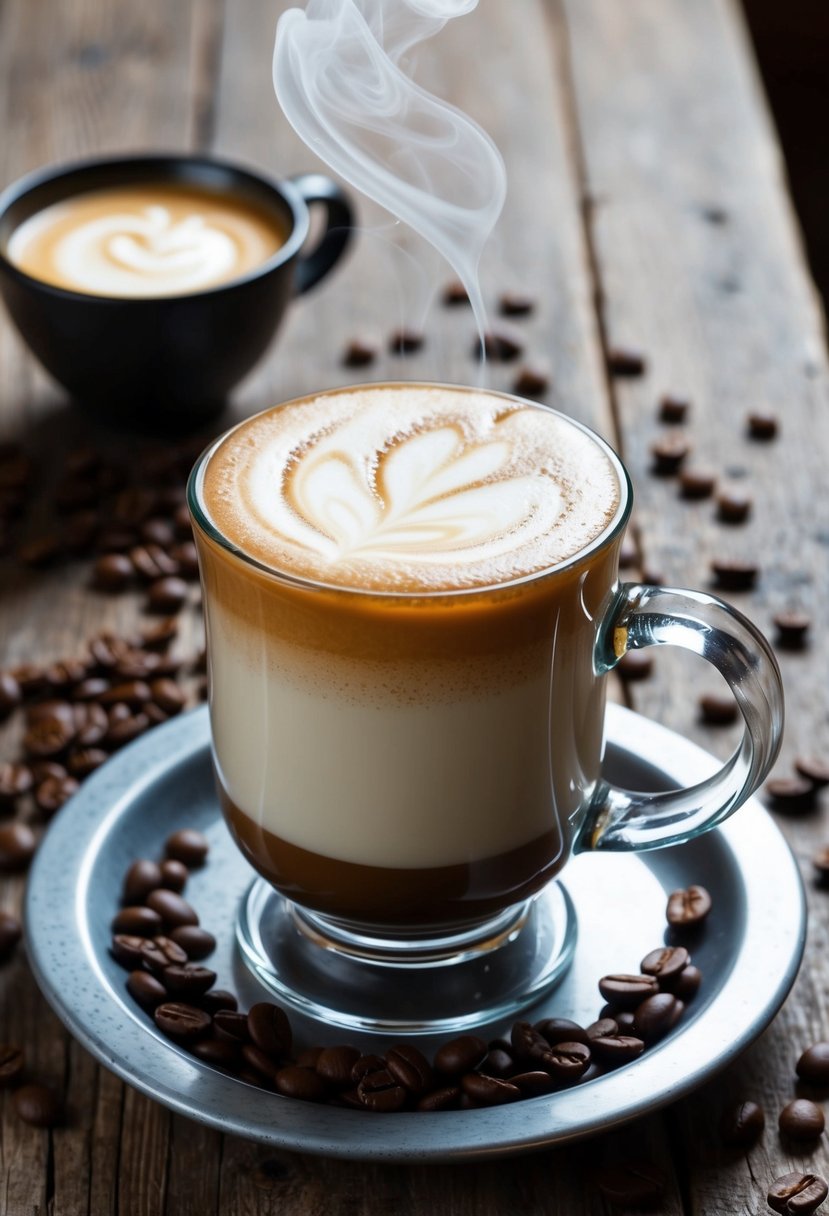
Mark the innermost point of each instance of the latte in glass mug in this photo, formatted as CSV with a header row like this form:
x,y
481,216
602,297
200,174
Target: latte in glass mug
x,y
402,584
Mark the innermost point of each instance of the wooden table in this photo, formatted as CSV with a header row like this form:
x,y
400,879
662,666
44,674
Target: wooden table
x,y
647,209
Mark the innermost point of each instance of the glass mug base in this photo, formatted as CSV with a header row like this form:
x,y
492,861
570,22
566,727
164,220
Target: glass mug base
x,y
400,985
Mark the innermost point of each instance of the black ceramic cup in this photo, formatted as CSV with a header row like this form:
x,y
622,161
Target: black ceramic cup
x,y
168,361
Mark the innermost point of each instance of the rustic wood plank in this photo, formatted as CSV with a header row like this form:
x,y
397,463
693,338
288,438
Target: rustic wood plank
x,y
701,267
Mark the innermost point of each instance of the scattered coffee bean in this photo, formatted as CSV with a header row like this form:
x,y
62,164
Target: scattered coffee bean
x,y
531,380
734,575
716,710
762,426
229,1023
406,342
460,1055
561,1030
733,507
625,362
616,1049
455,295
498,1063
10,933
534,1084
695,484
379,1091
126,950
813,769
489,1091
132,693
112,572
15,781
500,346
173,875
188,980
515,304
687,986
635,665
219,1000
628,554
791,795
141,878
187,846
797,1194
184,1023
218,1053
270,1029
137,921
792,630
669,454
158,953
186,558
17,847
360,352
813,1065
173,910
445,1098
673,410
627,991
152,563
566,1062
820,862
600,1029
167,696
196,942
39,552
54,792
688,907
632,1184
10,694
167,595
742,1124
49,735
146,989
656,1016
302,1083
801,1120
38,1105
124,726
410,1068
666,963
12,1063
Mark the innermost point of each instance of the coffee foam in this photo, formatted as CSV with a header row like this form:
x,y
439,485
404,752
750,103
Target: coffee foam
x,y
408,487
143,241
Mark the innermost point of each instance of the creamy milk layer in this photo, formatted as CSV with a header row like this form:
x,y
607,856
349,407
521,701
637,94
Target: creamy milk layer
x,y
148,241
408,488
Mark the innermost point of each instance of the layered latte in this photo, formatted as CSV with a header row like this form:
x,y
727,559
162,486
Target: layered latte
x,y
401,584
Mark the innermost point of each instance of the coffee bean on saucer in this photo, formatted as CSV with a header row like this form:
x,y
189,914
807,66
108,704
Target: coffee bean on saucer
x,y
695,484
791,795
229,1023
181,1022
742,1124
532,380
632,1184
17,847
137,921
762,425
656,1016
566,1061
515,304
813,1065
801,1120
218,1053
158,953
625,362
673,410
38,1105
380,1091
10,694
173,910
498,1063
688,907
126,950
146,989
526,1042
187,846
501,345
303,1083
635,665
188,979
173,875
166,595
792,630
140,879
410,1068
561,1030
615,1049
687,986
460,1055
734,575
406,341
666,963
16,779
534,1084
112,572
627,991
733,507
716,710
489,1091
219,1000
12,1063
197,942
668,455
797,1194
599,1029
360,352
335,1065
10,933
270,1029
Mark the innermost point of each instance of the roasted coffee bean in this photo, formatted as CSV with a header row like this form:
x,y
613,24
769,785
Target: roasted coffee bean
x,y
10,933
733,507
188,980
308,1057
742,1124
601,1029
813,1065
124,728
532,380
159,634
360,352
92,725
181,521
167,695
112,572
116,538
632,1184
813,769
42,770
673,410
334,1065
460,1054
17,847
172,875
133,693
10,694
566,1061
489,1091
51,794
687,986
379,1091
797,1194
90,689
624,1019
15,781
627,991
30,678
218,1053
62,677
500,346
667,963
635,665
140,879
628,554
761,426
616,1048
695,484
534,1084
38,1105
146,989
561,1030
792,630
626,363
158,953
410,1068
12,1063
138,921
515,304
791,795
445,1098
656,1016
526,1042
498,1063
801,1119
173,910
360,1067
219,1000
39,552
54,709
302,1083
157,531
230,1023
154,715
126,950
166,595
688,907
668,454
184,1023
49,736
718,710
734,575
455,295
137,665
187,846
270,1029
406,342
152,563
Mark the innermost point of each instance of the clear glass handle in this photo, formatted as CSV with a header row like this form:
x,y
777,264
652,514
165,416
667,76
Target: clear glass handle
x,y
652,616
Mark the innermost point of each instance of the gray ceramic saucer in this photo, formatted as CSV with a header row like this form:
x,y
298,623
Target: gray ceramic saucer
x,y
749,953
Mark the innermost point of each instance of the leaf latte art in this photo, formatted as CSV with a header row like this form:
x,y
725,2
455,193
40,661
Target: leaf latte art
x,y
410,487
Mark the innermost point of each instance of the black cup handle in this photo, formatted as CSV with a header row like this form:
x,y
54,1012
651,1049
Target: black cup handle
x,y
316,188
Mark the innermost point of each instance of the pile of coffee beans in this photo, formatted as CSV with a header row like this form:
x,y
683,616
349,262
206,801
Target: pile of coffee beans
x,y
158,939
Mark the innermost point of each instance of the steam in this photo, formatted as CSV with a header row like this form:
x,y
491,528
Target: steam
x,y
339,70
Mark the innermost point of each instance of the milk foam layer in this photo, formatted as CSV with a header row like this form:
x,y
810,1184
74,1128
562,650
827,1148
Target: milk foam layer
x,y
410,488
143,242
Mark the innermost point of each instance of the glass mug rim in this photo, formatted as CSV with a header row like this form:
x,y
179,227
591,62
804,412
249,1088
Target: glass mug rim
x,y
605,538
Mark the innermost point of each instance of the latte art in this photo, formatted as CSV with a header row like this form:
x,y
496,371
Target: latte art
x,y
144,241
410,487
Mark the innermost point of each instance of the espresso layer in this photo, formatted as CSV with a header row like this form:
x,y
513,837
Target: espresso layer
x,y
410,488
437,895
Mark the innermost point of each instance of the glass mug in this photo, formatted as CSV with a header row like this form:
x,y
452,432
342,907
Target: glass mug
x,y
409,770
